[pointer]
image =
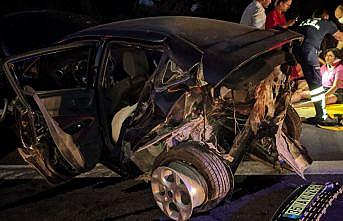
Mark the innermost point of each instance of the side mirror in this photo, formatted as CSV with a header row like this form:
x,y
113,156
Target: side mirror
x,y
3,110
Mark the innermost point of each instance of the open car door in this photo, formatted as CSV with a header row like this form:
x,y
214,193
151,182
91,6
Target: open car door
x,y
55,109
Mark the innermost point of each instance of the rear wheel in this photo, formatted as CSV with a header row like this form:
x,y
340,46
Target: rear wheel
x,y
189,177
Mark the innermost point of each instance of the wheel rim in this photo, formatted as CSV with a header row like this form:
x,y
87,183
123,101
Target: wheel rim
x,y
177,190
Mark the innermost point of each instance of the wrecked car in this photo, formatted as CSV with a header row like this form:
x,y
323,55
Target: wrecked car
x,y
179,100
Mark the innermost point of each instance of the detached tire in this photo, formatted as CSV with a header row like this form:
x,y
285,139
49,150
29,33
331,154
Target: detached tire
x,y
217,175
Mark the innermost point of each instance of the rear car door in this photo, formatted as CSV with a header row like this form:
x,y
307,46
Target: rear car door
x,y
56,109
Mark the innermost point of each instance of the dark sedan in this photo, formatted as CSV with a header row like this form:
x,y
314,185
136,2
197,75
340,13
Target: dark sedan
x,y
182,100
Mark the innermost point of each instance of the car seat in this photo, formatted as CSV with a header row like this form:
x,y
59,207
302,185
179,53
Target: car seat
x,y
135,64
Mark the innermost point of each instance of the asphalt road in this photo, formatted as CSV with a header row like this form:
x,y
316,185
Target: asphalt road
x,y
111,198
322,144
102,195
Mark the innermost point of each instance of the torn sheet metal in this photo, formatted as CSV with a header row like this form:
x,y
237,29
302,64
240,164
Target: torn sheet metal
x,y
271,102
196,130
64,142
266,94
290,151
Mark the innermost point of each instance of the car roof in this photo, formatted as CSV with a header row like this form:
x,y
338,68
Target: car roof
x,y
223,45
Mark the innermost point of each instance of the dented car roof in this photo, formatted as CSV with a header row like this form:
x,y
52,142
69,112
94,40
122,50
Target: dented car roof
x,y
223,45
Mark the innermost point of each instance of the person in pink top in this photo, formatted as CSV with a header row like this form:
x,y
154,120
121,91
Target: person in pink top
x,y
276,17
332,76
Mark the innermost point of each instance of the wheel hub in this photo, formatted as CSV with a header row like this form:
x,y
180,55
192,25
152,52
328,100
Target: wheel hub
x,y
178,189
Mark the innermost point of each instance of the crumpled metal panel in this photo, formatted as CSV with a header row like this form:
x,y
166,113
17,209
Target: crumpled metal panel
x,y
184,106
266,94
290,151
272,100
199,111
64,142
195,130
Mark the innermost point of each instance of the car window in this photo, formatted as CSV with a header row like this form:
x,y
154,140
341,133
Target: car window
x,y
65,69
127,62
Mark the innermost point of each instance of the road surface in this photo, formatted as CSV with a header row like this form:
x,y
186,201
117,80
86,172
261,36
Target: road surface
x,y
102,195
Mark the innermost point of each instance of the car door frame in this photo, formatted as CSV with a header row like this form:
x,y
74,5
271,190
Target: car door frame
x,y
116,158
90,88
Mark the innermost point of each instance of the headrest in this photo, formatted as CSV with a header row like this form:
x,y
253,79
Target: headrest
x,y
135,63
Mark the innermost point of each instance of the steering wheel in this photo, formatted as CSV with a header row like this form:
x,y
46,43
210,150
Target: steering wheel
x,y
4,110
79,72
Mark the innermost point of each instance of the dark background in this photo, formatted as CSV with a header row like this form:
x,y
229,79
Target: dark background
x,y
109,10
22,32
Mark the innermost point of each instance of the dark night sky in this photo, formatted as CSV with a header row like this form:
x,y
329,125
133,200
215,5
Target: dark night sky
x,y
115,9
306,7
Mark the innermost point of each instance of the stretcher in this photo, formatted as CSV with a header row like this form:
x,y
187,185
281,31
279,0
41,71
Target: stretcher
x,y
333,110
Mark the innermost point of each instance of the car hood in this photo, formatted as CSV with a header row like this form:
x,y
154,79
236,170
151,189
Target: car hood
x,y
223,46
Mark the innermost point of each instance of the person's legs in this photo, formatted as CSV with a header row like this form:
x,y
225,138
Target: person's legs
x,y
301,93
300,96
296,97
308,59
317,92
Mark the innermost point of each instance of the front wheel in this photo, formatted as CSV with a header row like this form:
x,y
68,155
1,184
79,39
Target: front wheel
x,y
189,178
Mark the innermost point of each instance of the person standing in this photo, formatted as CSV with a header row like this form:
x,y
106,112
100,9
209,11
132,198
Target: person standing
x,y
277,18
254,14
314,29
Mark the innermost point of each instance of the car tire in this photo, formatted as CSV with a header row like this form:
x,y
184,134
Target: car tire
x,y
216,173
